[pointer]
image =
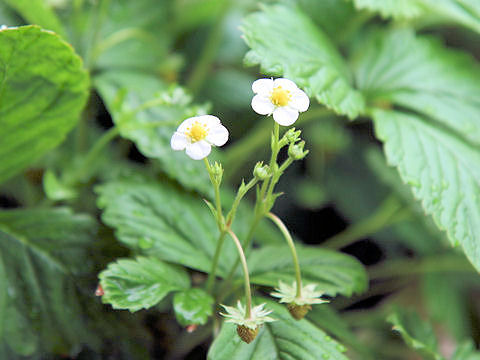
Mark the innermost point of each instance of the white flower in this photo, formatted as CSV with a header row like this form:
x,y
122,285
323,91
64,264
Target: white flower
x,y
237,315
280,97
197,134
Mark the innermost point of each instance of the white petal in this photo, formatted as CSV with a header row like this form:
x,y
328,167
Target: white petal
x,y
179,141
285,115
262,86
198,150
185,124
209,120
262,105
217,135
285,84
300,101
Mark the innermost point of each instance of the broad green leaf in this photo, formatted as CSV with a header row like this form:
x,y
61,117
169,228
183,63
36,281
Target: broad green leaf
x,y
43,91
334,272
465,12
285,42
140,283
284,339
40,250
37,12
420,74
436,149
391,8
159,220
151,129
192,306
443,171
416,333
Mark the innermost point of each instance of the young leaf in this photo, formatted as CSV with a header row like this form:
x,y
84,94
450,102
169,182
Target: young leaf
x,y
285,42
40,249
44,89
140,283
334,272
161,221
417,334
284,339
192,306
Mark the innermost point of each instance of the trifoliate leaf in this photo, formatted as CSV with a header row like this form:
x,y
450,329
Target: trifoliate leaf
x,y
284,339
193,306
140,283
285,42
334,272
44,89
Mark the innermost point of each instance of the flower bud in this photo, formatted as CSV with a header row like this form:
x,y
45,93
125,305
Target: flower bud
x,y
292,135
261,172
217,170
295,151
298,311
247,334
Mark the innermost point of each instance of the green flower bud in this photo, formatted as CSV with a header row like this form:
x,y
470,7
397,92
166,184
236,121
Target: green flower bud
x,y
292,135
296,152
261,172
217,171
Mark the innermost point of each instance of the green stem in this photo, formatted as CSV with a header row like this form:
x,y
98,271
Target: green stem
x,y
95,151
241,151
276,220
216,257
248,294
240,194
202,67
381,218
431,264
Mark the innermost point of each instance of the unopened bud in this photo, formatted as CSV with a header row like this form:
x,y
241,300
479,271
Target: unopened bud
x,y
217,170
292,135
261,172
296,152
298,311
247,334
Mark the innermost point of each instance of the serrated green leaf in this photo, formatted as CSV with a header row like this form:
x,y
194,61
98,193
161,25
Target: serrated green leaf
x,y
284,339
465,12
284,41
442,170
334,272
420,74
152,129
178,226
40,250
193,306
43,90
140,283
416,333
405,9
37,12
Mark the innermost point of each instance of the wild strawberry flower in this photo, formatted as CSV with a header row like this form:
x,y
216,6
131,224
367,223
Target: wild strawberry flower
x,y
197,134
247,328
298,305
280,97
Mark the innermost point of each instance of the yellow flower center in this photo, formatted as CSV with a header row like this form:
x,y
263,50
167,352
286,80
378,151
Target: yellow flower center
x,y
197,131
280,96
